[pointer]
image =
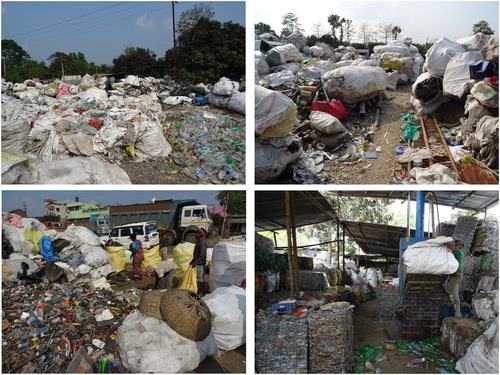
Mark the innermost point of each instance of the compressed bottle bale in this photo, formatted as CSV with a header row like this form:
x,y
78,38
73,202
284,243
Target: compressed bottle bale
x,y
445,229
309,280
464,231
263,244
330,335
280,344
486,237
353,84
458,334
485,305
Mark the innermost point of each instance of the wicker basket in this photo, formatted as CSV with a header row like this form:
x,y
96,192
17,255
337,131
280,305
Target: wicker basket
x,y
150,303
187,314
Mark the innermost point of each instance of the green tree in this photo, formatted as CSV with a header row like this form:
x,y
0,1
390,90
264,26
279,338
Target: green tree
x,y
291,23
58,64
14,59
35,69
336,23
137,61
189,18
396,30
349,30
237,201
208,51
482,27
262,28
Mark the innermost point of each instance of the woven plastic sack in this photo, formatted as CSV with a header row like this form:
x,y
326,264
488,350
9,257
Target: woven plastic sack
x,y
430,257
283,54
225,87
438,56
151,257
149,345
326,123
275,113
228,308
457,74
34,236
189,280
486,93
96,256
228,264
183,255
482,354
117,257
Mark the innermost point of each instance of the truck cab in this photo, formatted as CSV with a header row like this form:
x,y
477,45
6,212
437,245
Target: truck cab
x,y
55,225
100,224
194,217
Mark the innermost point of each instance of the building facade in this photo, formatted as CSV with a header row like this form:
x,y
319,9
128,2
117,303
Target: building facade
x,y
53,208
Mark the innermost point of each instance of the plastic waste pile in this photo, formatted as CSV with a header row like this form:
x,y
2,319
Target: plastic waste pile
x,y
463,71
102,120
75,253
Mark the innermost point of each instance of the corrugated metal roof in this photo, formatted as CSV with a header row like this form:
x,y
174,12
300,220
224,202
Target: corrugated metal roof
x,y
310,208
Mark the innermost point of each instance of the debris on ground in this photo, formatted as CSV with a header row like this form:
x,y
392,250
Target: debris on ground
x,y
106,123
318,112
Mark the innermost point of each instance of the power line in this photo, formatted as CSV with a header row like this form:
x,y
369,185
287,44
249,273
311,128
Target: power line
x,y
71,19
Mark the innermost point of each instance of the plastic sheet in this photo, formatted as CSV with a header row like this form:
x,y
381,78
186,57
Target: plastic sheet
x,y
430,257
228,264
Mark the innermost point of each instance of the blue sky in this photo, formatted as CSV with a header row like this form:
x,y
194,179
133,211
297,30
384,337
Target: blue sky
x,y
419,20
99,29
12,200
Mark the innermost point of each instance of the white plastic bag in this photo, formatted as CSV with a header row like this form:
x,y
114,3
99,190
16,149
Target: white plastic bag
x,y
96,256
237,102
283,77
430,257
225,87
94,93
272,156
228,308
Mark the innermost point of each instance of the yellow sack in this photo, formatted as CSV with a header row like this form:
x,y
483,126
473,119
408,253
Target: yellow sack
x,y
34,236
183,255
118,259
189,280
151,257
390,62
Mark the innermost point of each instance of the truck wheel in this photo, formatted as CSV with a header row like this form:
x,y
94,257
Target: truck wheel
x,y
190,237
170,237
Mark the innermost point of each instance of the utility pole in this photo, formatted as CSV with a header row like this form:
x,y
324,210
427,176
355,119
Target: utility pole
x,y
176,73
25,208
62,69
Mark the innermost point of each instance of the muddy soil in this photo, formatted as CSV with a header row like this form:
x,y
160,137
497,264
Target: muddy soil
x,y
387,137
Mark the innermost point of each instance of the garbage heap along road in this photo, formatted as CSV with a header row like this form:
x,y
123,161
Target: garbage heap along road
x,y
80,132
325,115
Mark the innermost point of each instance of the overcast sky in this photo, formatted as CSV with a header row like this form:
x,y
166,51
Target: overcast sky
x,y
99,29
12,200
418,20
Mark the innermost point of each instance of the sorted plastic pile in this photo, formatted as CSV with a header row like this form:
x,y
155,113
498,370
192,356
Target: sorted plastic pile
x,y
99,123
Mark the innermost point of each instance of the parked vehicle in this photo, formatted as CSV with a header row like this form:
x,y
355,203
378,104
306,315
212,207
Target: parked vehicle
x,y
55,225
99,224
182,218
146,232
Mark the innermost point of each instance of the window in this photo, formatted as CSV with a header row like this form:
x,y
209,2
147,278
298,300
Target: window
x,y
187,213
114,233
126,232
139,231
150,228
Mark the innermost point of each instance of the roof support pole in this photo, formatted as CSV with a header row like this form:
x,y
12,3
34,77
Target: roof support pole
x,y
419,227
292,245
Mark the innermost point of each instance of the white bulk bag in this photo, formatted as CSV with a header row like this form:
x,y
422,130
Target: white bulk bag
x,y
275,113
225,87
353,84
482,355
149,345
438,56
430,257
228,264
237,102
228,308
272,157
456,78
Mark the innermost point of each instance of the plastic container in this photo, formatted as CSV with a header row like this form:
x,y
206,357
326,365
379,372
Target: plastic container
x,y
417,162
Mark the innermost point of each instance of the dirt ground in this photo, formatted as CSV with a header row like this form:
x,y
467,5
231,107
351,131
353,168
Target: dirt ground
x,y
168,170
368,331
387,137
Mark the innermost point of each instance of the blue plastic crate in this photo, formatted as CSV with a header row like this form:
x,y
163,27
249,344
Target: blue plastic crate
x,y
282,308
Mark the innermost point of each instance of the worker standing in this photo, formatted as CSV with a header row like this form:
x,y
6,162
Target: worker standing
x,y
456,278
200,259
137,257
164,241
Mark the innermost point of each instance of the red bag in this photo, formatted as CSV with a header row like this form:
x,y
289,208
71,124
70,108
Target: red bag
x,y
335,108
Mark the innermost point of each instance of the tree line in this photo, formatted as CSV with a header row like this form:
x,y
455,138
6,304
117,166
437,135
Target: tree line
x,y
341,31
206,51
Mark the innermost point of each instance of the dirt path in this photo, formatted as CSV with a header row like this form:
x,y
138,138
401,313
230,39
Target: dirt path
x,y
387,137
